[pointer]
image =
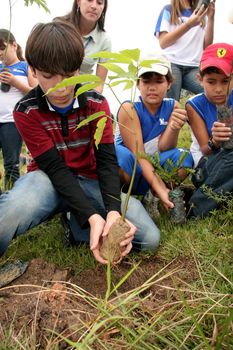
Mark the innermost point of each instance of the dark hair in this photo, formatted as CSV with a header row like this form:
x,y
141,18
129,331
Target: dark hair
x,y
6,37
148,75
74,15
54,47
210,70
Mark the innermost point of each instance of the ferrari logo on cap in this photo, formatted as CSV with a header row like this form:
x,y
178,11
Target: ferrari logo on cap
x,y
221,53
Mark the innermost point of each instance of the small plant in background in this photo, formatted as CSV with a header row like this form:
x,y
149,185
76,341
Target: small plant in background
x,y
169,173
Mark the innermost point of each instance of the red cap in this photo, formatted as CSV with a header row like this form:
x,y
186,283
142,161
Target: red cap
x,y
219,55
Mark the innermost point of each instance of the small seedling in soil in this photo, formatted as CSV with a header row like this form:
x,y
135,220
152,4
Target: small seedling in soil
x,y
170,175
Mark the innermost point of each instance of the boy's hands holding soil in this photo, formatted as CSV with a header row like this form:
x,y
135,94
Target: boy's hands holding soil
x,y
99,229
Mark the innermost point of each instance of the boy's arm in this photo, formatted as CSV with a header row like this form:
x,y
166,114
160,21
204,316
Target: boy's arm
x,y
66,185
109,180
199,129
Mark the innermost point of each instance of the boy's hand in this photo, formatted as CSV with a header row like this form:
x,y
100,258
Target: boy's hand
x,y
97,224
220,132
178,119
127,242
164,197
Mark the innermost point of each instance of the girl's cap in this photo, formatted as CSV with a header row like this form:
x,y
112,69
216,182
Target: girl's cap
x,y
152,62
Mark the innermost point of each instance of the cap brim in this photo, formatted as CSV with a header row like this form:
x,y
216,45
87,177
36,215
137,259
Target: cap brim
x,y
225,68
160,69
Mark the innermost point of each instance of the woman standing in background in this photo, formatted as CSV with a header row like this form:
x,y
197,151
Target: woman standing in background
x,y
89,17
184,31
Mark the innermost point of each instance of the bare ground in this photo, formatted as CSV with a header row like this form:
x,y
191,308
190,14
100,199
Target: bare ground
x,y
45,298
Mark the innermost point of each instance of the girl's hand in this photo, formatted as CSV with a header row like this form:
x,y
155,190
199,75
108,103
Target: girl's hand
x,y
197,17
178,119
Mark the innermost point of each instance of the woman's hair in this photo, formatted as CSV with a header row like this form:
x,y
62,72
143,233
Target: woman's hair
x,y
74,15
55,47
177,6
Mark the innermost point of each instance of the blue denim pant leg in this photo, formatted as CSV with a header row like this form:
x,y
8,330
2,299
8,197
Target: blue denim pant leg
x,y
185,78
31,201
147,236
93,193
190,81
11,144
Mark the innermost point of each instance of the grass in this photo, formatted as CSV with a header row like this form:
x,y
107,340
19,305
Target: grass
x,y
196,280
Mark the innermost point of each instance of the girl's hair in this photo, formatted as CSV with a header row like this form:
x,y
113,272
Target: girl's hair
x,y
74,16
55,47
169,77
19,53
7,37
177,6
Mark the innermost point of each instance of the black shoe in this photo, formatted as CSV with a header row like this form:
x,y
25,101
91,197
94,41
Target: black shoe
x,y
68,239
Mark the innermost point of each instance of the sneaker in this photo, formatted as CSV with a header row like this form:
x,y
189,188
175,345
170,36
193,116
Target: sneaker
x,y
150,203
68,240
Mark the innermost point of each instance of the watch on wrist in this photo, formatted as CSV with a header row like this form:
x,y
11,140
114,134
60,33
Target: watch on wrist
x,y
211,145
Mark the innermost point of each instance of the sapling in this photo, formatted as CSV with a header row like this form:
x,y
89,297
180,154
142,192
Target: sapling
x,y
169,173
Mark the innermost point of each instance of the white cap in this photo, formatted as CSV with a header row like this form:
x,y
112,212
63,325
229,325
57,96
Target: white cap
x,y
152,62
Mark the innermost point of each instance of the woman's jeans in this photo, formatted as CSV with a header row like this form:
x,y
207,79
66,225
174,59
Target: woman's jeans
x,y
11,144
185,78
33,199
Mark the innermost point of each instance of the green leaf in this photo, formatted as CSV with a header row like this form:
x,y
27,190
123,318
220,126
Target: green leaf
x,y
113,68
113,56
79,79
99,131
86,87
41,3
134,54
90,119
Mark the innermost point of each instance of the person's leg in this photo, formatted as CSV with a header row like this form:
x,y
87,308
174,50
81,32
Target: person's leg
x,y
126,161
31,201
218,172
11,142
175,155
147,236
190,81
93,193
175,89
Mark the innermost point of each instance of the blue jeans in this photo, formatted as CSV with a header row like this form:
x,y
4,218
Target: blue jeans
x,y
33,199
11,144
185,78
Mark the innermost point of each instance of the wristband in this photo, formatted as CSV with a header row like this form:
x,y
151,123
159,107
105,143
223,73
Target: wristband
x,y
211,145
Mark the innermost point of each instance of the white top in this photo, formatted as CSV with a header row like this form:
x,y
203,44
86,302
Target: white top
x,y
9,99
95,41
187,50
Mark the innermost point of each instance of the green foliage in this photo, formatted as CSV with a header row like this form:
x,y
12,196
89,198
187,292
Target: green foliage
x,y
40,3
170,171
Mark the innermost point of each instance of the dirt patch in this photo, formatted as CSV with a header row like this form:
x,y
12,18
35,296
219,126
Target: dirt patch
x,y
46,299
